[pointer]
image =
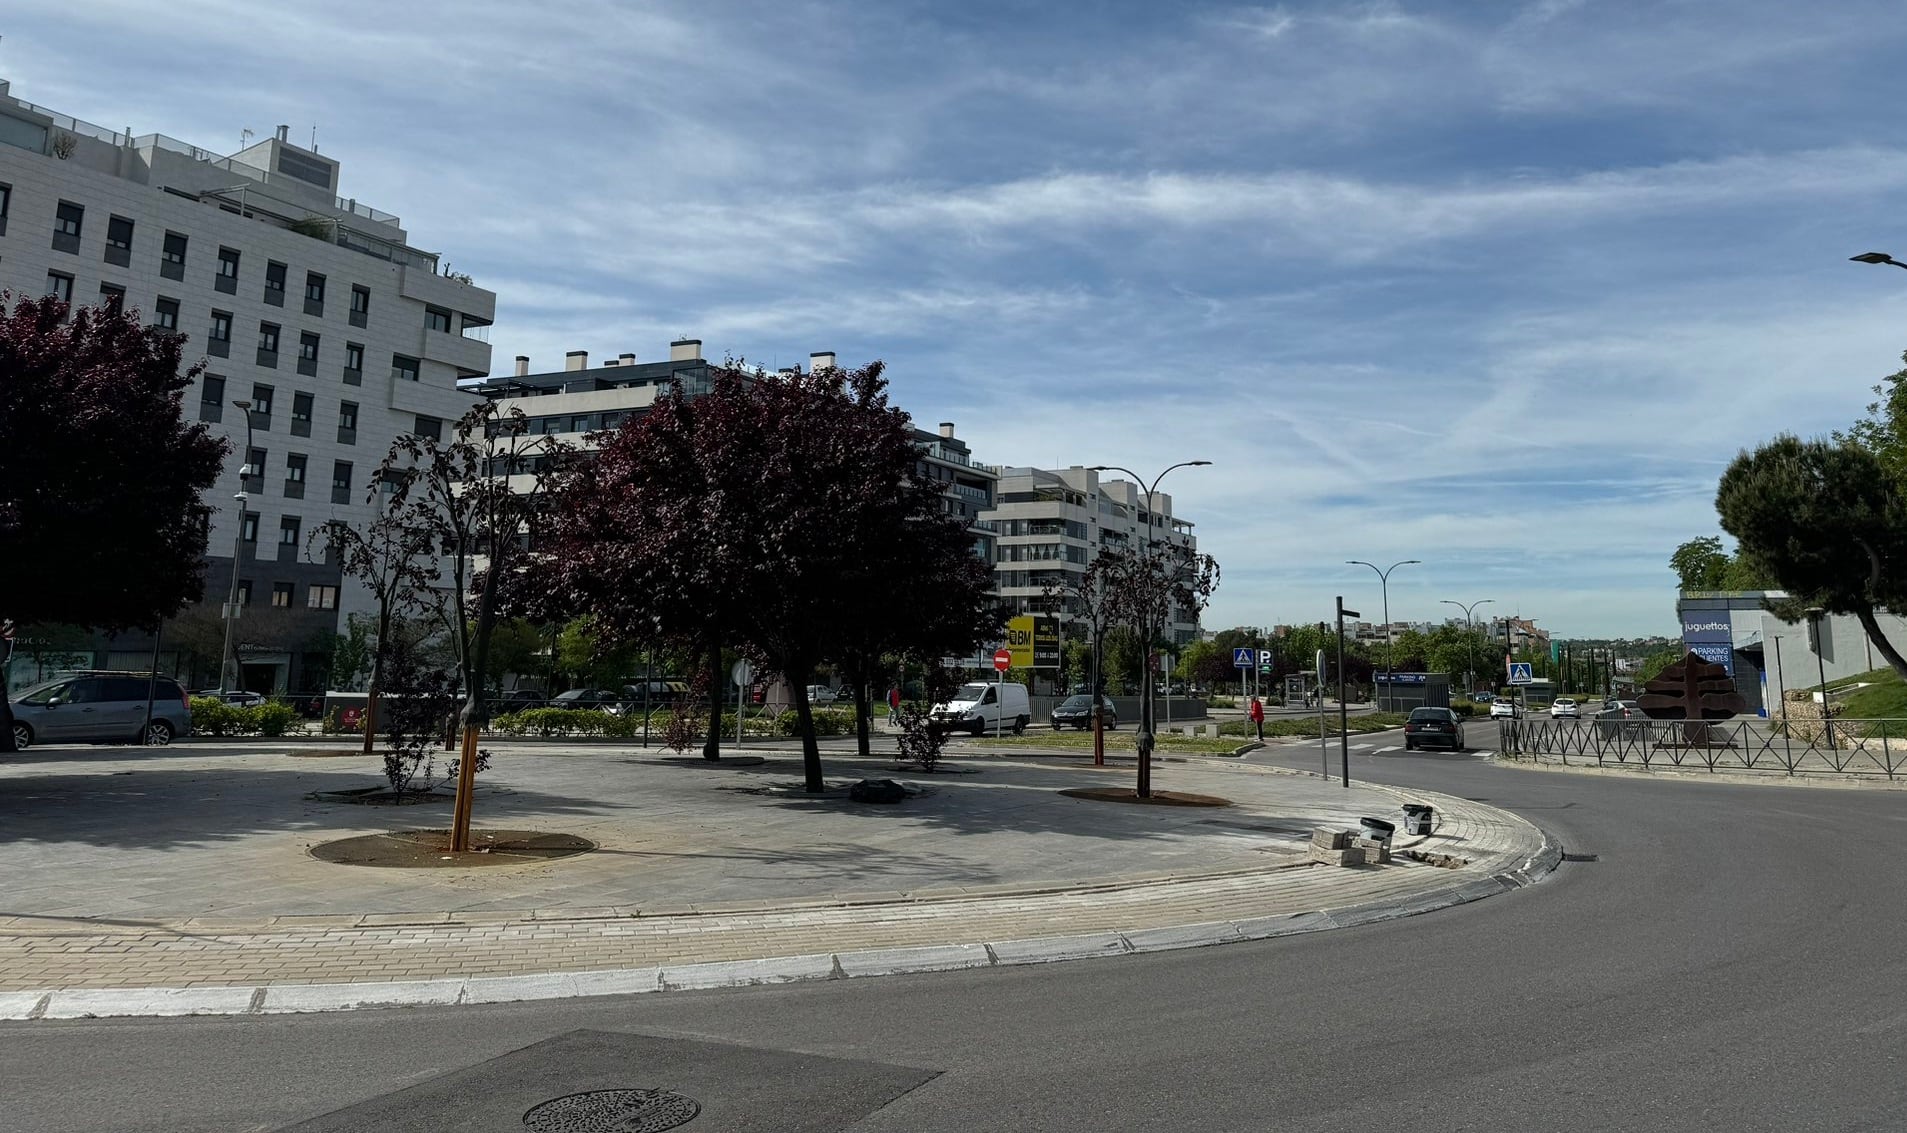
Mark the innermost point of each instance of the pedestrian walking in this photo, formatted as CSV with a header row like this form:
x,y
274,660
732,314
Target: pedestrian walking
x,y
1257,715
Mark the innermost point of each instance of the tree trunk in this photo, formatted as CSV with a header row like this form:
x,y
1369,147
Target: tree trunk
x,y
377,675
475,712
1872,625
6,702
810,750
712,747
863,709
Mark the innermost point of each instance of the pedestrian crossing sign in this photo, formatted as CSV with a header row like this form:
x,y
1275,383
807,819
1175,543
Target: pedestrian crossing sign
x,y
1521,673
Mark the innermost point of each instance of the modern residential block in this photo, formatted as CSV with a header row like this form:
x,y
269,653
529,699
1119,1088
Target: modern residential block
x,y
312,306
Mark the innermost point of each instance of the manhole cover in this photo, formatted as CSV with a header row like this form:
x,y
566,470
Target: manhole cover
x,y
613,1111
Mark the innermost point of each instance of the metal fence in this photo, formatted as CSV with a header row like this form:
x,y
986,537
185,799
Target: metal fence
x,y
1855,748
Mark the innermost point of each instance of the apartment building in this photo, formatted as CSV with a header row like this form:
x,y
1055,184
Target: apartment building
x,y
312,307
1050,524
580,399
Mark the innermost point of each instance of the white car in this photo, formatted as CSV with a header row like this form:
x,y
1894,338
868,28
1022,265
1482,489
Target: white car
x,y
1504,706
822,694
1564,707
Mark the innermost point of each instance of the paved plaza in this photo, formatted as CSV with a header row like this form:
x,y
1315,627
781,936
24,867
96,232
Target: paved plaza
x,y
188,868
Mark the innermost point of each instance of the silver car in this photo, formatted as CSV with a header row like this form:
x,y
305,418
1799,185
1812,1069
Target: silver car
x,y
101,708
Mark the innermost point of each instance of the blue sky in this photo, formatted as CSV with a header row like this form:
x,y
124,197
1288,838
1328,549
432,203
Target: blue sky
x,y
1501,286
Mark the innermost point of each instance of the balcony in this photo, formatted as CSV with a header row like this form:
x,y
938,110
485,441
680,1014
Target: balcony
x,y
218,347
466,354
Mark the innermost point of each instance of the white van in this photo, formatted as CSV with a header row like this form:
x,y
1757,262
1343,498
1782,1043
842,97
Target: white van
x,y
981,706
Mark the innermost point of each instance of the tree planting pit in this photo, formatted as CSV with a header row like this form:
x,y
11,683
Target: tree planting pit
x,y
429,849
1157,798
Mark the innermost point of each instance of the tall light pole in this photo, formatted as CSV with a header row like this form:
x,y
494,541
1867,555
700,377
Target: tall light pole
x,y
1390,639
1469,639
1145,740
1877,258
238,537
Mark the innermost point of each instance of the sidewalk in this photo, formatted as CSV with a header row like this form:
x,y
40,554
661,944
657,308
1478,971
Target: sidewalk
x,y
179,882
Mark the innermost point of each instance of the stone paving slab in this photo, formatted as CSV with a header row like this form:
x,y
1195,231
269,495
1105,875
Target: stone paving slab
x,y
1048,892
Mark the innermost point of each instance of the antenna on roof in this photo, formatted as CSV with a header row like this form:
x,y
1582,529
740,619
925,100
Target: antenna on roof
x,y
314,137
244,138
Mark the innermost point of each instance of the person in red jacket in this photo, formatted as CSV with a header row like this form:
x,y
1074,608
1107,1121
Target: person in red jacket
x,y
1257,714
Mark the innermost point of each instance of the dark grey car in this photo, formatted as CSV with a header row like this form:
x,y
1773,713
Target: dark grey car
x,y
1077,712
101,708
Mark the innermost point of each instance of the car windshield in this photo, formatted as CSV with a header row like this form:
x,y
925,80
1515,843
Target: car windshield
x,y
975,691
1078,702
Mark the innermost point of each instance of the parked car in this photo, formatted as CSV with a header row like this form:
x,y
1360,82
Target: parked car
x,y
1564,707
600,699
1433,727
982,706
517,700
237,697
1505,707
1620,709
1077,712
102,707
822,694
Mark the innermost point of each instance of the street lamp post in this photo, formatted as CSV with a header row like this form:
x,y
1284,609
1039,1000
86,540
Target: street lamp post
x,y
1469,640
1149,632
1877,258
1390,639
238,537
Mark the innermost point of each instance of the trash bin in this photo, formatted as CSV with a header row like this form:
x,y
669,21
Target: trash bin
x,y
1379,829
1417,817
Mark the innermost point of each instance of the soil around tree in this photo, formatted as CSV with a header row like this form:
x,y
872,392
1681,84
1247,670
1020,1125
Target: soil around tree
x,y
430,849
384,796
1157,798
725,761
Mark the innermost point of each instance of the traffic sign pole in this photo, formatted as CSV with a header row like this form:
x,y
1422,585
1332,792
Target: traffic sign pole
x,y
1002,661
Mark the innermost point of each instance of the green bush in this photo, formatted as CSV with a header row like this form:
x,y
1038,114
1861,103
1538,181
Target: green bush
x,y
1465,708
1221,702
827,722
213,717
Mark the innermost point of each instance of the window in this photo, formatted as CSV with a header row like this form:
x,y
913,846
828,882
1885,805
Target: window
x,y
245,584
119,241
59,286
403,369
301,414
165,313
307,353
227,278
275,283
261,405
579,424
288,531
255,459
314,293
360,305
347,422
341,482
219,339
248,529
322,597
281,594
6,198
430,428
353,364
436,318
68,219
295,475
268,344
112,296
211,397
172,259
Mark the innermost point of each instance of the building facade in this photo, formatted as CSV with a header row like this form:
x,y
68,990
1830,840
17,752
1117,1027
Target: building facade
x,y
580,399
1051,524
312,307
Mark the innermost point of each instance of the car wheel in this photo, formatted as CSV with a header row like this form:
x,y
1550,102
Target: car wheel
x,y
979,727
159,734
1019,726
1410,745
1056,725
22,737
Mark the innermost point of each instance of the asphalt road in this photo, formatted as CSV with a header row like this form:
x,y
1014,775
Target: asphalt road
x,y
1732,960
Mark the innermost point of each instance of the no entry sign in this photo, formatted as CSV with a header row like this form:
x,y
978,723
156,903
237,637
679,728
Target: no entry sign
x,y
1002,660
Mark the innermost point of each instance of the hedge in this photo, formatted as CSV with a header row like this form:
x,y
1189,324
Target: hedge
x,y
213,717
590,722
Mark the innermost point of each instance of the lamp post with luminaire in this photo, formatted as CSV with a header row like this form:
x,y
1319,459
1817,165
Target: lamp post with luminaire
x,y
1390,640
238,542
1469,640
1152,615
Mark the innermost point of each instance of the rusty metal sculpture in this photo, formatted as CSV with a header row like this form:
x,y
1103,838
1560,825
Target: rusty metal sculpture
x,y
1694,690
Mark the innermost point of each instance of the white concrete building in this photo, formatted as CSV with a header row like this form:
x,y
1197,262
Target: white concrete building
x,y
311,306
1051,524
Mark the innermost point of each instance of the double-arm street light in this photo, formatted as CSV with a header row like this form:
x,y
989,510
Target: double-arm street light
x,y
238,537
1469,640
1877,258
1390,639
1150,631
